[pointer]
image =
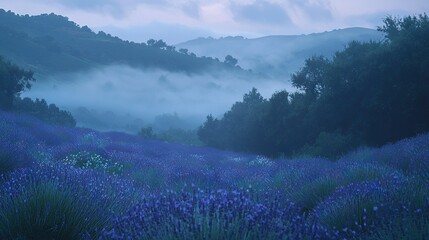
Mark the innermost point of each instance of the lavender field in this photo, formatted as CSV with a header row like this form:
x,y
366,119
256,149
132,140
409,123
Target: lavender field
x,y
73,183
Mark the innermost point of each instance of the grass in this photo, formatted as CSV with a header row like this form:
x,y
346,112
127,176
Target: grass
x,y
111,185
311,194
48,211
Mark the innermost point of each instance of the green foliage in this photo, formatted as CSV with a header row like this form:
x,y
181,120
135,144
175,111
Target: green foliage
x,y
48,113
369,94
178,135
147,133
13,80
240,128
330,145
46,211
172,135
230,60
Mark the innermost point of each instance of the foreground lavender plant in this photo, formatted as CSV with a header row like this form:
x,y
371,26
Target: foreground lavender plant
x,y
65,183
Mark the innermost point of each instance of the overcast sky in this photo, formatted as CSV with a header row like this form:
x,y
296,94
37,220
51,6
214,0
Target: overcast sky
x,y
180,20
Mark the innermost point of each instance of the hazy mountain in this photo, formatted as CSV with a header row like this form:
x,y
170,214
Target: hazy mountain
x,y
279,55
50,44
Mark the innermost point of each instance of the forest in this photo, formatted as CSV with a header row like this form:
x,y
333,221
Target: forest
x,y
368,94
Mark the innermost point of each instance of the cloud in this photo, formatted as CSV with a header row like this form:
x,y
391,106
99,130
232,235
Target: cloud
x,y
124,91
313,10
171,33
261,12
192,9
251,18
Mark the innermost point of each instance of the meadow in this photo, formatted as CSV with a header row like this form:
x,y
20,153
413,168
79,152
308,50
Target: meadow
x,y
76,183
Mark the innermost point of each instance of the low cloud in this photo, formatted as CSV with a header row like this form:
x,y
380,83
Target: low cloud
x,y
125,91
249,18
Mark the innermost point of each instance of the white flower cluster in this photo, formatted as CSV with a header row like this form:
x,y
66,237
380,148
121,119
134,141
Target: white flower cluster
x,y
261,161
87,160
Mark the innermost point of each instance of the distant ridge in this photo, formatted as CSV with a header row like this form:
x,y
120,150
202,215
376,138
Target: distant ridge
x,y
279,55
51,43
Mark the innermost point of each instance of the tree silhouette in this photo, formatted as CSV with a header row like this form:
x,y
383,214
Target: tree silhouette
x,y
230,60
13,80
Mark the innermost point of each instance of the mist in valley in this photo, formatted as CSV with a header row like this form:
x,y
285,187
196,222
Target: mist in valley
x,y
122,98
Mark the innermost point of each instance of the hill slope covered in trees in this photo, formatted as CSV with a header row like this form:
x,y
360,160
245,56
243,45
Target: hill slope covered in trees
x,y
50,43
279,56
369,94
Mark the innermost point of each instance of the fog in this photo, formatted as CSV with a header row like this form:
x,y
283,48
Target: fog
x,y
279,56
126,99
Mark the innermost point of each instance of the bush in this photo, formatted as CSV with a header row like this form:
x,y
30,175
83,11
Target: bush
x,y
147,133
48,113
352,208
330,145
311,194
47,211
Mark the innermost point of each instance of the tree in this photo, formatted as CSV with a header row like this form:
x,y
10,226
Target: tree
x,y
151,42
147,133
240,128
368,94
209,132
184,51
157,44
230,60
13,80
310,78
49,113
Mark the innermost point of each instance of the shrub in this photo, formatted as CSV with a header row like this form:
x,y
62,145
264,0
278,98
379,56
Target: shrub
x,y
310,194
147,133
330,145
47,211
41,110
353,208
220,214
354,173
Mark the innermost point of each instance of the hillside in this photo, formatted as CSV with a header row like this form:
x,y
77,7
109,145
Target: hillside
x,y
110,185
51,43
279,55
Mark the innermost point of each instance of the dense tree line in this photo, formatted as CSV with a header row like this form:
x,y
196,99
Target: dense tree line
x,y
13,81
49,113
368,94
52,43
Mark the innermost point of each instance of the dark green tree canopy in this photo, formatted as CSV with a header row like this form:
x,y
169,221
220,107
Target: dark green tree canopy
x,y
13,80
230,60
368,94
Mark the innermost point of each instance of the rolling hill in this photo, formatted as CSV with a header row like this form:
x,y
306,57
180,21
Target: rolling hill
x,y
279,56
51,43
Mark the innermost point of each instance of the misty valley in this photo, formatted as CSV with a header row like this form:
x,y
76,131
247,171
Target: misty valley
x,y
312,136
